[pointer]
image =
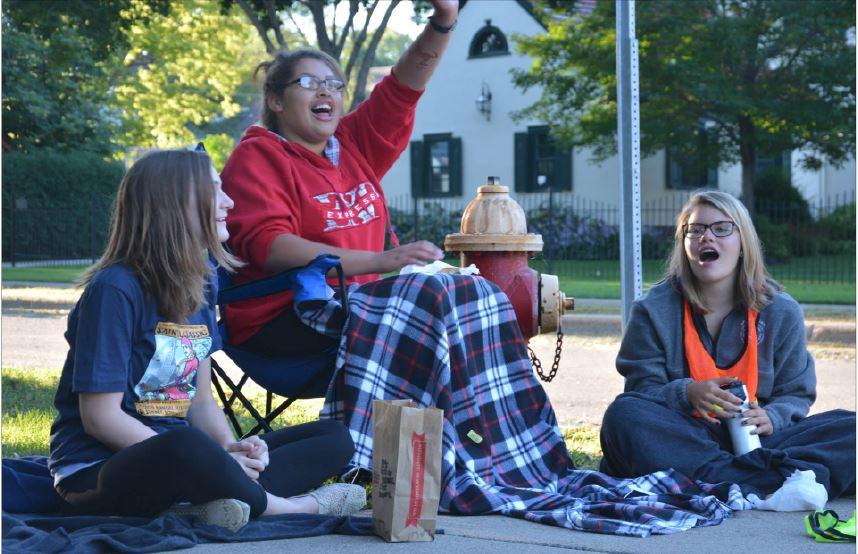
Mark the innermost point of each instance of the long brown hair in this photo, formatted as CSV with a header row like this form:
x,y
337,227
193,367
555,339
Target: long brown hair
x,y
154,231
754,286
280,71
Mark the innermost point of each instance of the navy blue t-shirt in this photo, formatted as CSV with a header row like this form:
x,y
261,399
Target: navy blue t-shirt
x,y
118,342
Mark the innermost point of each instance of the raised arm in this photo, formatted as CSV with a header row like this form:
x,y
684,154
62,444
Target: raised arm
x,y
418,63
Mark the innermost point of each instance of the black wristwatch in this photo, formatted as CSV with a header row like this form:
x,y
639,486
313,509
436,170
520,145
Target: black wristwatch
x,y
440,28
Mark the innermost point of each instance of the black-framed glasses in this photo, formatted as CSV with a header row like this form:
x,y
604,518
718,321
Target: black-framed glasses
x,y
313,83
719,229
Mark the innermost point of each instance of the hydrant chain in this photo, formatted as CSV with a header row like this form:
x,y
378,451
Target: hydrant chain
x,y
537,364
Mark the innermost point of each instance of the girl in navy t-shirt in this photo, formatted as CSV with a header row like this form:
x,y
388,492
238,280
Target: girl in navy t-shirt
x,y
138,431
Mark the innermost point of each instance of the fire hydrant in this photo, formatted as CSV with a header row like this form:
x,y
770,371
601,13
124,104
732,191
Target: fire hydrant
x,y
494,237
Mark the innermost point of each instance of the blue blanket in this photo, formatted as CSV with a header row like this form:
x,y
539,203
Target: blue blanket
x,y
29,495
91,534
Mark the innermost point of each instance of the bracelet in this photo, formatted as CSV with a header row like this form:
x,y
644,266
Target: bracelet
x,y
441,28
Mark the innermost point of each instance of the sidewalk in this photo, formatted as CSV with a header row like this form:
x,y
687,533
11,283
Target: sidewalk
x,y
599,317
752,531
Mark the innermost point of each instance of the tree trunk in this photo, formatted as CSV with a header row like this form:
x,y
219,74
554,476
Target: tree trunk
x,y
260,28
369,56
748,152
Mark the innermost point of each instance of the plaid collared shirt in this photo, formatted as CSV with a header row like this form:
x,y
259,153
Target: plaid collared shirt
x,y
332,148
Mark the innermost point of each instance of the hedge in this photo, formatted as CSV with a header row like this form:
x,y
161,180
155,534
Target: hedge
x,y
62,203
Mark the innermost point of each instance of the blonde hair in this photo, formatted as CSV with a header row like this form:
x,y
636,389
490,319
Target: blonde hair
x,y
754,286
152,230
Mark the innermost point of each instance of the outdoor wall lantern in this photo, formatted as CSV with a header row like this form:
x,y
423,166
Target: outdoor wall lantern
x,y
484,101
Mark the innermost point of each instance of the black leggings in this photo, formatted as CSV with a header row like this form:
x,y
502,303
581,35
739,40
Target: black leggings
x,y
186,465
269,340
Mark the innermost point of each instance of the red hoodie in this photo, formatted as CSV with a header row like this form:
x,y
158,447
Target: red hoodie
x,y
281,187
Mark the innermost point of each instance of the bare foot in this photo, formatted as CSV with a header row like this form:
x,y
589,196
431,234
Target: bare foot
x,y
293,505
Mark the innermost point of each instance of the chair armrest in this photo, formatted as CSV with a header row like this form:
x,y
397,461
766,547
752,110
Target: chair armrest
x,y
279,282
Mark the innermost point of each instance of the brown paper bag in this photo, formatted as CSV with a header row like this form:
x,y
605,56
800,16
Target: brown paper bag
x,y
406,470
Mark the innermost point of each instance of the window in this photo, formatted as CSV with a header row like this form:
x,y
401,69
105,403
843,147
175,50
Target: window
x,y
436,166
686,172
769,162
487,42
539,164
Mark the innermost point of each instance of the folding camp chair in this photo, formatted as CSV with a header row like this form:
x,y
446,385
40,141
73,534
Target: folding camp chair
x,y
296,377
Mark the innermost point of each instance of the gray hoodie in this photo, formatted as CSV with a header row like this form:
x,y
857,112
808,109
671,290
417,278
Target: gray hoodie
x,y
652,356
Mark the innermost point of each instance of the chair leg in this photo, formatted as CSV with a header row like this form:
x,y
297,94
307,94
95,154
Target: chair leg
x,y
269,396
227,404
235,391
271,416
218,372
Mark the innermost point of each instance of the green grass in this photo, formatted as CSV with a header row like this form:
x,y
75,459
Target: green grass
x,y
44,274
812,280
28,412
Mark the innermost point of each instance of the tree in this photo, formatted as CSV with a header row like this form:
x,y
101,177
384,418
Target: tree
x,y
721,80
391,47
182,70
58,56
267,17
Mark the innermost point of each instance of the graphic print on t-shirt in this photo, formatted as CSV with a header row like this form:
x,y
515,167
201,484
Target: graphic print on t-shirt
x,y
167,387
343,210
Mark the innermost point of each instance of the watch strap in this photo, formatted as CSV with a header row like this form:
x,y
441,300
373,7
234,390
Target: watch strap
x,y
441,28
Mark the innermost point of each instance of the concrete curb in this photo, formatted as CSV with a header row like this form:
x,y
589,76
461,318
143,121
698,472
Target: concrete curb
x,y
839,332
817,330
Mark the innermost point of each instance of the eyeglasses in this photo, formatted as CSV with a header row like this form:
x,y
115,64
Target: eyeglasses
x,y
719,229
312,83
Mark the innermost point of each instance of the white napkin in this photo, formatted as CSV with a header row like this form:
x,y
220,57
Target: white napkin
x,y
799,493
439,267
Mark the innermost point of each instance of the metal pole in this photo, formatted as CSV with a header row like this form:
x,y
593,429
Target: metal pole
x,y
415,221
92,227
551,229
11,191
628,146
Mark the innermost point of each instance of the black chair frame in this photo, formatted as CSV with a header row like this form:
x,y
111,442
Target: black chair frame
x,y
230,391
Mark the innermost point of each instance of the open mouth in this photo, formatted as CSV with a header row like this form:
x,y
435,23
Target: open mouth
x,y
323,110
709,255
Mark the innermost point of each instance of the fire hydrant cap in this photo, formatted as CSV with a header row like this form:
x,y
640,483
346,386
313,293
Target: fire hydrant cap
x,y
493,222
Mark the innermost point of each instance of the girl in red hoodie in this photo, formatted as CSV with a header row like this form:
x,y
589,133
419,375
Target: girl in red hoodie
x,y
309,181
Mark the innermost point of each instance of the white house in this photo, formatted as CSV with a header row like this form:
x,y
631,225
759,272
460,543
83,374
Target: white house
x,y
457,142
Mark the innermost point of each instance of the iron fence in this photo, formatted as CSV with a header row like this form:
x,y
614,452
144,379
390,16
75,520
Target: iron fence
x,y
56,236
812,242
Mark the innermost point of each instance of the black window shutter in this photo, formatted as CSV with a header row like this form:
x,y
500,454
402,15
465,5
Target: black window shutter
x,y
712,177
418,169
673,171
522,163
456,166
563,169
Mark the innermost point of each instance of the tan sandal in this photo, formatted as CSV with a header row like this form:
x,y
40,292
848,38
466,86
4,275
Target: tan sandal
x,y
228,513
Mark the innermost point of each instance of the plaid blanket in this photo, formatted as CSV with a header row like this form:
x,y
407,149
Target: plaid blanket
x,y
452,342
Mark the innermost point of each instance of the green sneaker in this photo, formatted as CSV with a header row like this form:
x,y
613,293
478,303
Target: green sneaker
x,y
826,526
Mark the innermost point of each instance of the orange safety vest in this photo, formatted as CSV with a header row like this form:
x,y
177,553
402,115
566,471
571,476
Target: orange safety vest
x,y
701,364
